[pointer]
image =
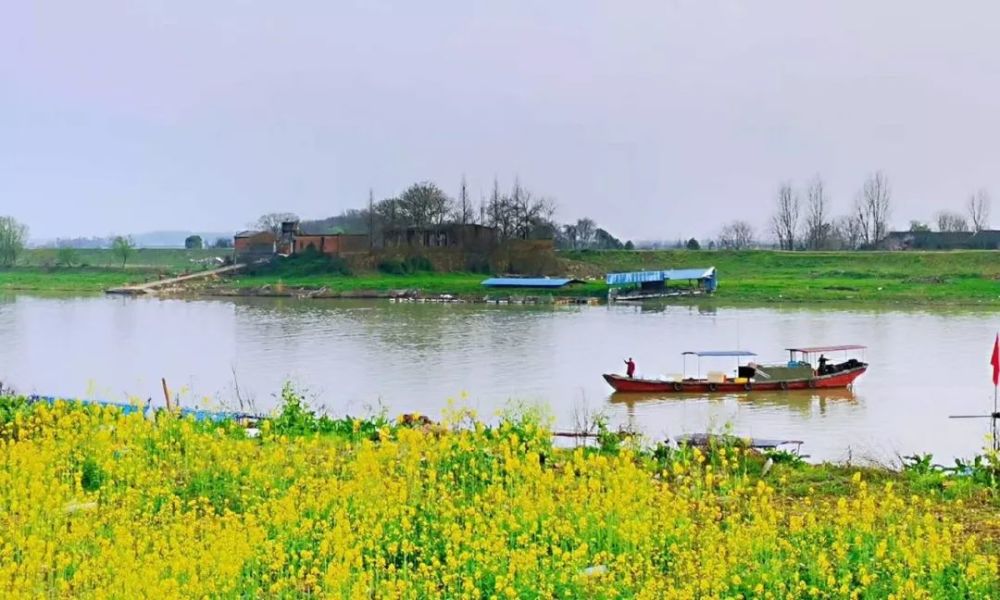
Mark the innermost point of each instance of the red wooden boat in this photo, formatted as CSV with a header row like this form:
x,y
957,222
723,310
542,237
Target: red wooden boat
x,y
797,374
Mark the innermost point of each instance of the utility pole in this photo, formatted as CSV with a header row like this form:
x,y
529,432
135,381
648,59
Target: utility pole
x,y
371,220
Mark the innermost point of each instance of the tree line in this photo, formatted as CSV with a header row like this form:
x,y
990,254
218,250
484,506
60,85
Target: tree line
x,y
514,213
14,240
803,220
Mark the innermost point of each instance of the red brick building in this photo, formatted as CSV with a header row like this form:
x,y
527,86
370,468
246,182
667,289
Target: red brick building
x,y
264,244
255,244
332,245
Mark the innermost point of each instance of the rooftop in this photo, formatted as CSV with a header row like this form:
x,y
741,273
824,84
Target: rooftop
x,y
529,282
812,349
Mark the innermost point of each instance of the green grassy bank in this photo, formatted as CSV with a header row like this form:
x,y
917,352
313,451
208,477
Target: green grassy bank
x,y
906,278
961,278
95,270
77,279
173,259
431,284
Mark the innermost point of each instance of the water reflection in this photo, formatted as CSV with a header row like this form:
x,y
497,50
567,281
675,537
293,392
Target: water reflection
x,y
694,307
796,400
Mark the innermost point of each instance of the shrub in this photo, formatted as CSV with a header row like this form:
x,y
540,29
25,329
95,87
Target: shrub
x,y
67,257
478,264
392,266
419,264
91,475
310,262
413,264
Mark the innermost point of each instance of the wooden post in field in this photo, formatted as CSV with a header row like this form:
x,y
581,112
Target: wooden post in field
x,y
166,392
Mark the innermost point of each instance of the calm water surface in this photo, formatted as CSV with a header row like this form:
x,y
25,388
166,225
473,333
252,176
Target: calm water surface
x,y
352,357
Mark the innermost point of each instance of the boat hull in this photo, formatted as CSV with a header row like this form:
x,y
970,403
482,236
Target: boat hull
x,y
621,383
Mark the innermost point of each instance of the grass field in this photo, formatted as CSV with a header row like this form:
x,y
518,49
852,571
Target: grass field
x,y
143,258
98,270
967,277
94,504
947,278
970,278
79,279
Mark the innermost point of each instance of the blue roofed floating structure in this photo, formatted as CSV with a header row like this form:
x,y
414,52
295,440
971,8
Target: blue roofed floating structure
x,y
197,414
528,282
641,285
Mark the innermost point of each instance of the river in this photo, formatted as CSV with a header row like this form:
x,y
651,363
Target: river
x,y
355,357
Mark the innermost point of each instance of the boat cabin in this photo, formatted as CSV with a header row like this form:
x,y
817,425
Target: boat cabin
x,y
806,357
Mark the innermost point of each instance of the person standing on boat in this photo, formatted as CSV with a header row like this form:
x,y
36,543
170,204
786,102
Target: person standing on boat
x,y
822,364
630,367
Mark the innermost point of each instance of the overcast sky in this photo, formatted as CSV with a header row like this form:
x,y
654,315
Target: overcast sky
x,y
657,118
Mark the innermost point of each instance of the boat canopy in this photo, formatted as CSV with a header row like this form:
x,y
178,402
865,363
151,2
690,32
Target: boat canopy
x,y
813,349
722,353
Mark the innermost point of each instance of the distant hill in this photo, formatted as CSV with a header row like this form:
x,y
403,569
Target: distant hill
x,y
151,239
175,239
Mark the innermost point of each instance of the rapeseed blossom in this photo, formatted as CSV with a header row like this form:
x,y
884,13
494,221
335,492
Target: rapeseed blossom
x,y
94,504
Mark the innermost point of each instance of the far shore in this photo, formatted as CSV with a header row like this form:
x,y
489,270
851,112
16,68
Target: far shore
x,y
960,278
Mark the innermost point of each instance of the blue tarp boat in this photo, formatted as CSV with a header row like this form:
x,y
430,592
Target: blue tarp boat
x,y
197,413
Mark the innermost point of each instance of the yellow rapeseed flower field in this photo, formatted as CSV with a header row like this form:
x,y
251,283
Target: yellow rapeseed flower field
x,y
94,504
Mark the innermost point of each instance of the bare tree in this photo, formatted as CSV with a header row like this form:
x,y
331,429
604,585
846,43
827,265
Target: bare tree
x,y
570,237
501,217
951,222
465,214
272,221
519,214
872,209
585,229
534,213
785,221
817,227
371,219
520,198
13,237
847,230
737,235
388,214
979,210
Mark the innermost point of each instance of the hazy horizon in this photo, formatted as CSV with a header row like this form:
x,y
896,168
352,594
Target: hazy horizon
x,y
659,120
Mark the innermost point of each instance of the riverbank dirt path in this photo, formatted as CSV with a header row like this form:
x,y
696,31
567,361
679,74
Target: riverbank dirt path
x,y
152,286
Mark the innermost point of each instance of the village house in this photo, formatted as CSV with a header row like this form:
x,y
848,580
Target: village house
x,y
336,244
263,244
255,244
451,235
987,239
